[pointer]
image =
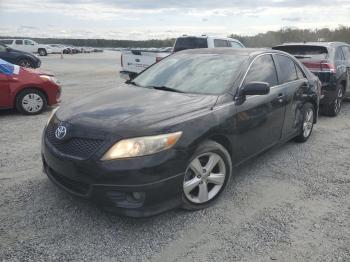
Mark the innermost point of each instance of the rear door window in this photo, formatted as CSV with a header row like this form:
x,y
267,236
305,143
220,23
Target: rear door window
x,y
262,70
19,42
184,43
285,69
305,51
2,48
220,43
28,42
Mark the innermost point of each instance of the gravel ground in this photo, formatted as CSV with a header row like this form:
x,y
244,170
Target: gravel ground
x,y
290,204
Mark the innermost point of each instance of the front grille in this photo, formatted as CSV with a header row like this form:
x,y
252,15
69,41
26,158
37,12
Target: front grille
x,y
74,146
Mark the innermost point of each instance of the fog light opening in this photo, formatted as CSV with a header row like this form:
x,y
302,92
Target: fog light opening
x,y
138,196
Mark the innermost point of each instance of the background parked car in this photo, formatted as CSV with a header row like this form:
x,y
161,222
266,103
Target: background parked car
x,y
58,49
19,57
27,45
28,90
97,50
73,49
331,63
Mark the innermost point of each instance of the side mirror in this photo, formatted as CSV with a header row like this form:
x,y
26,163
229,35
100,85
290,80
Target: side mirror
x,y
255,88
128,76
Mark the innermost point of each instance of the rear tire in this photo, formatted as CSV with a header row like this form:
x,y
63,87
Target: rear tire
x,y
206,177
31,102
307,124
42,52
334,108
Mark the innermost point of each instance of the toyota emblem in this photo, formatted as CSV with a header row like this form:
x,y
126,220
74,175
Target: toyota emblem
x,y
61,132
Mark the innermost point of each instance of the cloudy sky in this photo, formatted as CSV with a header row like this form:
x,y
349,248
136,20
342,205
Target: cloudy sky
x,y
145,19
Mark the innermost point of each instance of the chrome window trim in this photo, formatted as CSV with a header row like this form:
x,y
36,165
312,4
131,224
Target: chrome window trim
x,y
272,87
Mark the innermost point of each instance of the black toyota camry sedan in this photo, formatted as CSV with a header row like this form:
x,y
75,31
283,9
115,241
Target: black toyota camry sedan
x,y
172,136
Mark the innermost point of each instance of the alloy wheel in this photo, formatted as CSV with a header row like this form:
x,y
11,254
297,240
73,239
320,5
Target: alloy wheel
x,y
32,103
338,101
204,178
308,122
25,63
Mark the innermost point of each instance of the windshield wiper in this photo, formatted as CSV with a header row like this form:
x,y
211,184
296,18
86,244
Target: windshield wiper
x,y
165,88
132,83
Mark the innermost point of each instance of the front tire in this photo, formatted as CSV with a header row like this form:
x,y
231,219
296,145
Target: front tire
x,y
42,52
31,102
308,115
206,177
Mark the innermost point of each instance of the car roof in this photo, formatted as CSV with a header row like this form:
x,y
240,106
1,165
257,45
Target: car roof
x,y
231,51
324,44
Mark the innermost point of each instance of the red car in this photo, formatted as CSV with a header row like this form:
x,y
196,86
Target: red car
x,y
28,90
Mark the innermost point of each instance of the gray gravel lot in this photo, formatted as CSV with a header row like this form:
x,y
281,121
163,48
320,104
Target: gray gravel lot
x,y
290,204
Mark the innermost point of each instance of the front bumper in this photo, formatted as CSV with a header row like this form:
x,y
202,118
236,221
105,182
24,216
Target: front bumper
x,y
136,187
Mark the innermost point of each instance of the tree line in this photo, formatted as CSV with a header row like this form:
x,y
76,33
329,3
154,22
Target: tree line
x,y
268,39
284,35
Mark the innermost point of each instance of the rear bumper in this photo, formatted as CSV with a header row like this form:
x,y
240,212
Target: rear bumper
x,y
138,192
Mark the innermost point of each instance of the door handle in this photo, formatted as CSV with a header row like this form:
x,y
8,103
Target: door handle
x,y
280,98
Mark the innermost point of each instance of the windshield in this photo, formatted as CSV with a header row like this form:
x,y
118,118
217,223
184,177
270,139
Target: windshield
x,y
305,51
193,73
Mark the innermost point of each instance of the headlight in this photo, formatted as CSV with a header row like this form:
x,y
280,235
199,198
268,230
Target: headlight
x,y
141,146
53,112
50,78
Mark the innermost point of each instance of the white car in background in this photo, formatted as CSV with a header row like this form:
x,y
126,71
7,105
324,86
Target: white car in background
x,y
58,49
27,45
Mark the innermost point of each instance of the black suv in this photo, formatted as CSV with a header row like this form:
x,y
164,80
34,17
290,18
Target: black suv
x,y
330,61
19,57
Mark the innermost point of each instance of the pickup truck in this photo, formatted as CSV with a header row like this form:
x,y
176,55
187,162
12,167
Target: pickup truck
x,y
135,61
27,45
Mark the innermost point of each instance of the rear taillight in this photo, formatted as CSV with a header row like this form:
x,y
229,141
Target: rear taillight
x,y
121,60
320,66
158,59
328,67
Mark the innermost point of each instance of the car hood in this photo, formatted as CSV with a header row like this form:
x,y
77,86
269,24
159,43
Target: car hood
x,y
133,108
37,71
